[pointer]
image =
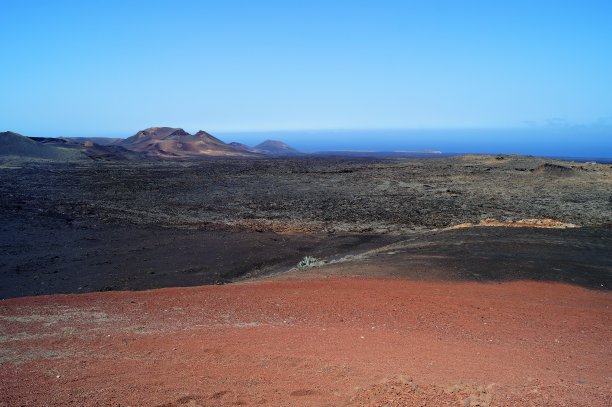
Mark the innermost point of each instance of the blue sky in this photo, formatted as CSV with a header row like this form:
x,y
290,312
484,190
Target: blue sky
x,y
113,67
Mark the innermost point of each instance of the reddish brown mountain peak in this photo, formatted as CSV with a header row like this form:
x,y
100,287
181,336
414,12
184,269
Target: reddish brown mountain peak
x,y
160,132
202,133
207,136
171,142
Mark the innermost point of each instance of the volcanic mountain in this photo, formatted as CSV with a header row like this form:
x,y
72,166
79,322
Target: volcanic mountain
x,y
274,147
14,144
170,142
154,142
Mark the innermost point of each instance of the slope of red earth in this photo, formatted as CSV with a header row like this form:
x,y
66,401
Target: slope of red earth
x,y
316,342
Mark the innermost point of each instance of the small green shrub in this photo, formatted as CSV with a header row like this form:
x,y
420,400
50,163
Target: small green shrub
x,y
309,261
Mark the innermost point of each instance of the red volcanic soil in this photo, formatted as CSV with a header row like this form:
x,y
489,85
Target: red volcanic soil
x,y
334,341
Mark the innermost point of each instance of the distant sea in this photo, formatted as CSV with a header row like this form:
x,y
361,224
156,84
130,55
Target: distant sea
x,y
587,143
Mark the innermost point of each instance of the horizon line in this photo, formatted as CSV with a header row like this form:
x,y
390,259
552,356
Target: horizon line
x,y
544,127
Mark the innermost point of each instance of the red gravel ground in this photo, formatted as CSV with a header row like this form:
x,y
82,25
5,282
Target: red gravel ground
x,y
335,341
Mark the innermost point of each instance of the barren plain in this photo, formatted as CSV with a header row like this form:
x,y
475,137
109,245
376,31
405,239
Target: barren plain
x,y
468,280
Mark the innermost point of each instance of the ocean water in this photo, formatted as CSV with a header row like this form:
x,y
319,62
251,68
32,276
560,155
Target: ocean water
x,y
586,142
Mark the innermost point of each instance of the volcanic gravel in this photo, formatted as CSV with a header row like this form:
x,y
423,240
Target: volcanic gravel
x,y
326,342
312,194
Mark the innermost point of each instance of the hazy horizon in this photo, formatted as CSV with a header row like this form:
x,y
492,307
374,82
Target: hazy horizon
x,y
595,142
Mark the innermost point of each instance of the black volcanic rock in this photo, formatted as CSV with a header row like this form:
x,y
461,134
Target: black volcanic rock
x,y
275,147
553,169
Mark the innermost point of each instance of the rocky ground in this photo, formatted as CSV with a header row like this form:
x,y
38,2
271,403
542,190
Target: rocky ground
x,y
329,195
413,305
581,257
51,256
94,226
314,342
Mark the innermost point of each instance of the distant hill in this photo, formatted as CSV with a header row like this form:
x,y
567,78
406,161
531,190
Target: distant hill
x,y
90,149
14,144
101,141
170,142
243,147
275,147
154,142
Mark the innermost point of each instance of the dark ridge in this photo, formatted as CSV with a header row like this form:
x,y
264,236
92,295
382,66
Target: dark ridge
x,y
553,169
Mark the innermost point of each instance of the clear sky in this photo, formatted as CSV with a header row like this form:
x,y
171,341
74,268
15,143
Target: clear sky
x,y
113,67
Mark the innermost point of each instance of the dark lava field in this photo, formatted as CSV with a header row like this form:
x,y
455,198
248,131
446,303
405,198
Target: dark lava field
x,y
90,226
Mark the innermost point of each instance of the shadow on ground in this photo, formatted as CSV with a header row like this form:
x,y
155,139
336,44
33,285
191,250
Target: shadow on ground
x,y
580,256
41,255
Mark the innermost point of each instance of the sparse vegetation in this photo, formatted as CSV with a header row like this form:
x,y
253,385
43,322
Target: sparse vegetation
x,y
309,261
